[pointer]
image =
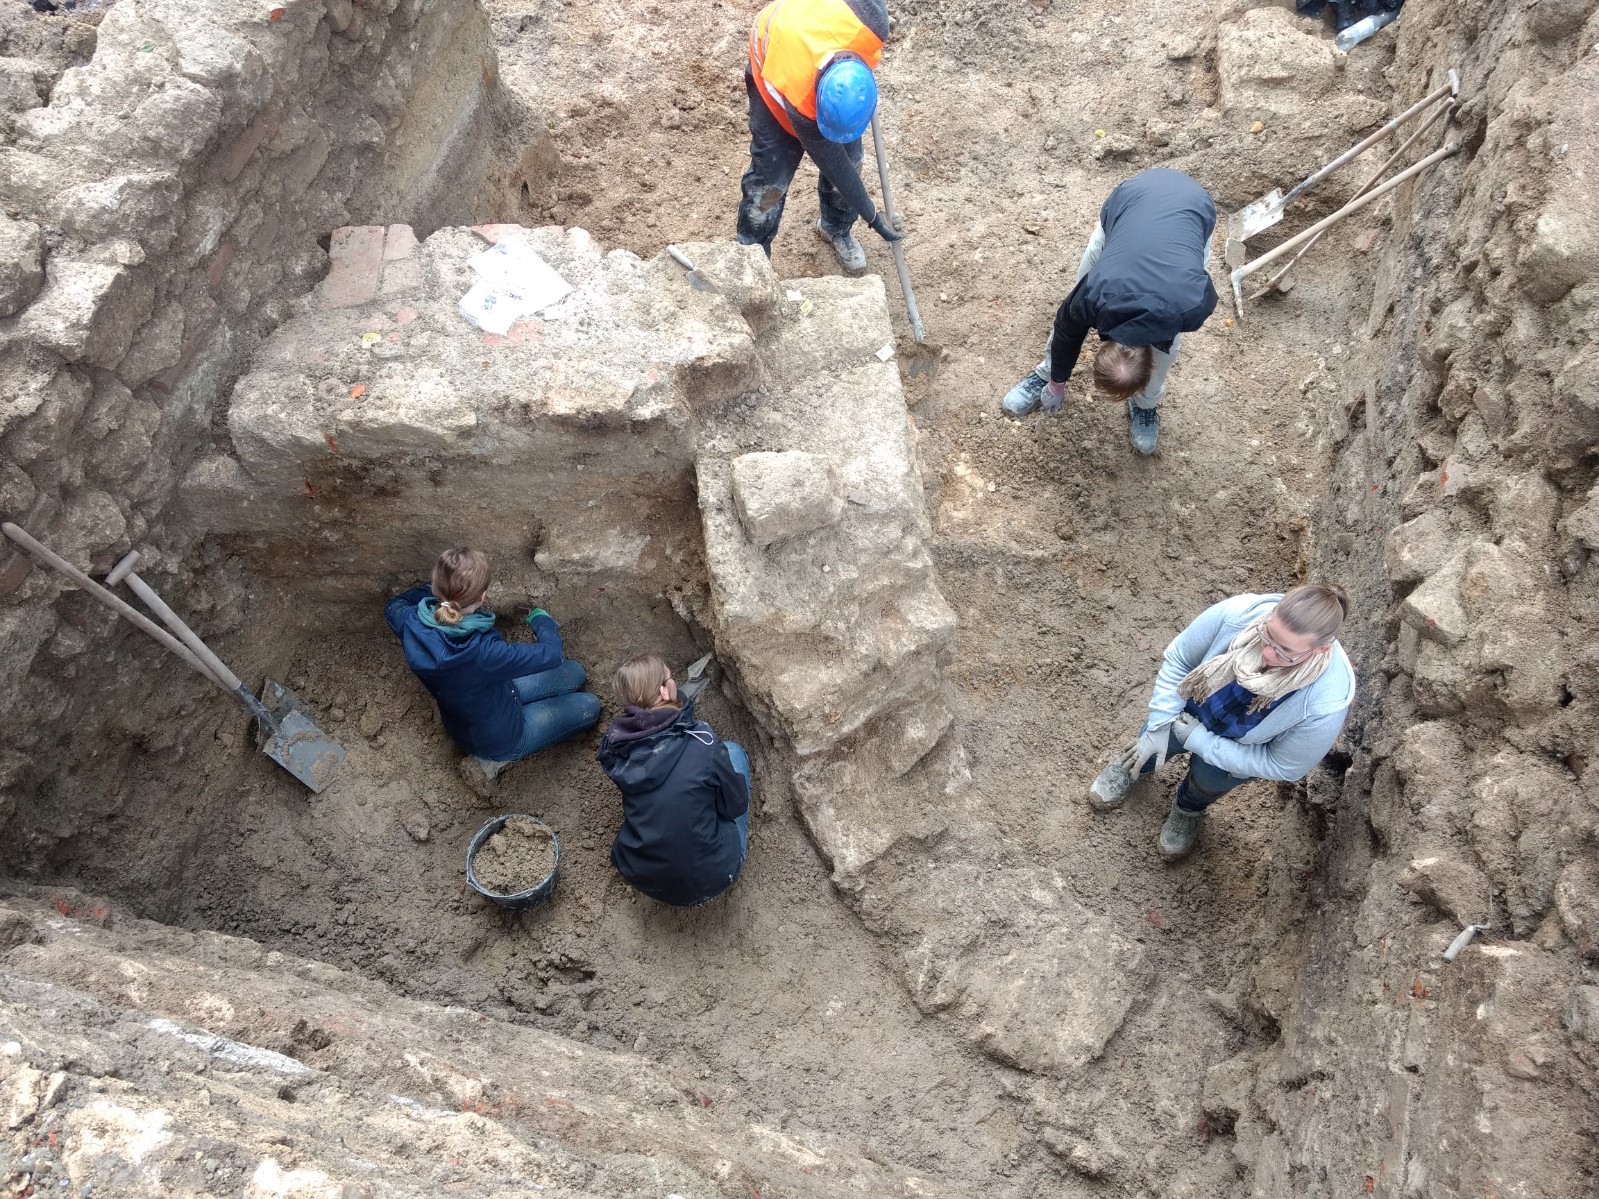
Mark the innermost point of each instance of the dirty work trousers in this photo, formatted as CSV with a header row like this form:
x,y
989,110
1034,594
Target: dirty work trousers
x,y
775,155
1156,387
741,763
1204,784
554,707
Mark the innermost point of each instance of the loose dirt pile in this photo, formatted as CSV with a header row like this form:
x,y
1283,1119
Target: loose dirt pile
x,y
517,858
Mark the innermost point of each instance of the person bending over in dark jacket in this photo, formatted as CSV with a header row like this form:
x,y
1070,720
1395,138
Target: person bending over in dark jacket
x,y
685,791
1141,283
499,701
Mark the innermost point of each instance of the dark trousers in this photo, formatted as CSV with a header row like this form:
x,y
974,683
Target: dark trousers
x,y
775,155
1203,785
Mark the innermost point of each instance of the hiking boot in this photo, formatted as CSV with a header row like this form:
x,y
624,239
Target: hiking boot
x,y
851,254
1106,793
1143,427
1179,833
1025,397
479,774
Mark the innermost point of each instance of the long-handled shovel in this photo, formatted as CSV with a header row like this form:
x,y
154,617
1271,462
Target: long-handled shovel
x,y
925,359
294,742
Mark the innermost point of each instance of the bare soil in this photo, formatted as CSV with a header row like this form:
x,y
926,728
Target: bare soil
x,y
517,858
1070,561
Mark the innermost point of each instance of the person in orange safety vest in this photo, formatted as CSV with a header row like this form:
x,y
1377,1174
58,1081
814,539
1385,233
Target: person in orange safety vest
x,y
812,91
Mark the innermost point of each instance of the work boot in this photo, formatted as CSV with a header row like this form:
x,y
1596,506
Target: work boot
x,y
1143,427
1179,833
480,774
851,254
1025,397
1106,793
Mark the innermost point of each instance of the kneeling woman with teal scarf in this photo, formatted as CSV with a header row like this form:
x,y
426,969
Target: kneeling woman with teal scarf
x,y
499,700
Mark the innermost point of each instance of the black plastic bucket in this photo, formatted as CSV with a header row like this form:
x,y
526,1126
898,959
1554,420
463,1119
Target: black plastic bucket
x,y
522,900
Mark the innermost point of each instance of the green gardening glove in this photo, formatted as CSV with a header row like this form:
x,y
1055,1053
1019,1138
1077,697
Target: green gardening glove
x,y
535,614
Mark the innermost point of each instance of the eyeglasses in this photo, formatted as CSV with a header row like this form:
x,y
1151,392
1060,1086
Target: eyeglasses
x,y
1291,659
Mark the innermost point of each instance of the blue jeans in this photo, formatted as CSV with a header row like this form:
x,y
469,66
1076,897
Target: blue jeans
x,y
1203,785
741,763
775,155
553,708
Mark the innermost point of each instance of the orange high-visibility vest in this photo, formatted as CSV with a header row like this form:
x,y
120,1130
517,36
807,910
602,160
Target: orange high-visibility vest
x,y
790,43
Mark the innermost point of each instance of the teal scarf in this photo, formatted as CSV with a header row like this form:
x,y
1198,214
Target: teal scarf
x,y
473,622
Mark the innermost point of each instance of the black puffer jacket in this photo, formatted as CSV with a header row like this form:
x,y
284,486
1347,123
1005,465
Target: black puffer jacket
x,y
1150,282
680,796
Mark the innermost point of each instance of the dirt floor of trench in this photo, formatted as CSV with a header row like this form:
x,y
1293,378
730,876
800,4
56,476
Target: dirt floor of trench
x,y
1069,561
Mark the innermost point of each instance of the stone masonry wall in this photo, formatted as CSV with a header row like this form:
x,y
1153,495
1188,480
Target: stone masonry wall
x,y
160,215
1462,514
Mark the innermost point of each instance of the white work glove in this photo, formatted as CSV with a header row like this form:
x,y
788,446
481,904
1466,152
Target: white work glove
x,y
1151,743
1184,727
1052,397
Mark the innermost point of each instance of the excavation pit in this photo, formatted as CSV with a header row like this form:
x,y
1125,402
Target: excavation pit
x,y
940,973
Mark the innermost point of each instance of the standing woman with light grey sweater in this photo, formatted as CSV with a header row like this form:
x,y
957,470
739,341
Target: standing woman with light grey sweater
x,y
1256,687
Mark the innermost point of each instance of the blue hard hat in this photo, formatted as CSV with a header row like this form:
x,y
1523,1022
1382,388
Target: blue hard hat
x,y
846,98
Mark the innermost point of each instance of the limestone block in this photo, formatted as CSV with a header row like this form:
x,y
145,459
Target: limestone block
x,y
19,85
90,524
1419,547
157,346
1519,805
1552,20
741,274
21,263
88,311
1443,678
1040,982
40,411
1562,250
1450,884
405,412
1524,508
580,548
781,495
1583,524
179,119
16,929
1577,902
276,431
141,204
1435,609
1267,59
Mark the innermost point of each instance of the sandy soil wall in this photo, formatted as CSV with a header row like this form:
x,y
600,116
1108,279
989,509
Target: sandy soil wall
x,y
1461,512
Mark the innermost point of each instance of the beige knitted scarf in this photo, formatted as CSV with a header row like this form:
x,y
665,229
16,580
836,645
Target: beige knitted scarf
x,y
1243,663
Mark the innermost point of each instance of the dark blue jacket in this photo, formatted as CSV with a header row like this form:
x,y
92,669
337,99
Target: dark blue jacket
x,y
470,676
680,796
1150,282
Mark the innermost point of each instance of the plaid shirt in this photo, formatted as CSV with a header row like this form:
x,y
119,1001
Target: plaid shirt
x,y
1226,713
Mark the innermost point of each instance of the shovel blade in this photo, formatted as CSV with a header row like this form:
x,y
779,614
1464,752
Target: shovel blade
x,y
1256,216
301,748
305,751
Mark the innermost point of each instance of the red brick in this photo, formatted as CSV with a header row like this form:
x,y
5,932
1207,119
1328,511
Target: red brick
x,y
401,277
220,261
400,242
257,133
14,568
357,253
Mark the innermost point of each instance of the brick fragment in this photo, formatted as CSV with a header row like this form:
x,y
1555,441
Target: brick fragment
x,y
357,253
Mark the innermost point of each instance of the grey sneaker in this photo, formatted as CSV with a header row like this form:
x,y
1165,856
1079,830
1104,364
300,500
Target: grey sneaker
x,y
1026,396
1143,427
480,774
1179,833
1106,793
851,254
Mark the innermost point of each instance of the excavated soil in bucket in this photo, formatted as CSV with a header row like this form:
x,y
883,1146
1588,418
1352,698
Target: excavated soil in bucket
x,y
517,858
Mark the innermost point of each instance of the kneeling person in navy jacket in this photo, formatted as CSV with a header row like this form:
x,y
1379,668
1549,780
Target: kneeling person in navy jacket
x,y
685,791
